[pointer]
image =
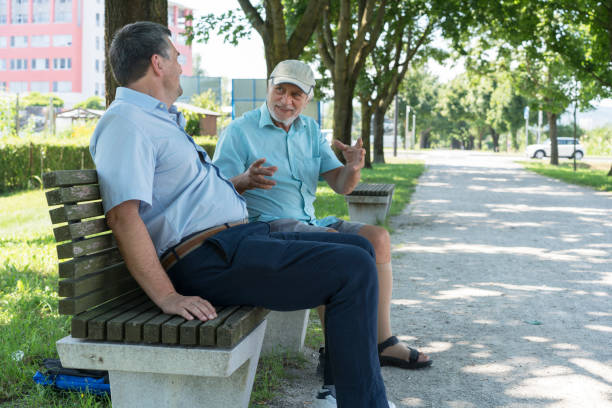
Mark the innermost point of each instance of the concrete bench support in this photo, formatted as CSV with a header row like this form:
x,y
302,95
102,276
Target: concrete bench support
x,y
170,376
285,331
368,209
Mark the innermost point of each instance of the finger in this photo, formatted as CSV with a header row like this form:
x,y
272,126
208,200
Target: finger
x,y
202,308
258,162
359,143
339,145
212,313
264,171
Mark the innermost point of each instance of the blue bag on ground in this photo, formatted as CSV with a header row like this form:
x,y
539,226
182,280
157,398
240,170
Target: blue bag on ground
x,y
72,379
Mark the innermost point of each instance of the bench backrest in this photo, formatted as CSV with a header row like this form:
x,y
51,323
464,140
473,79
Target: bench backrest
x,y
98,290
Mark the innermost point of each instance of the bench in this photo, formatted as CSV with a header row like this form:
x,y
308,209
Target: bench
x,y
370,203
153,359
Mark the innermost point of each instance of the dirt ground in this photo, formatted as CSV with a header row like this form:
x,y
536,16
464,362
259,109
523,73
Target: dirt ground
x,y
504,277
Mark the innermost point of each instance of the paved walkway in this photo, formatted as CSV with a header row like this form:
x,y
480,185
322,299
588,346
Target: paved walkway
x,y
504,277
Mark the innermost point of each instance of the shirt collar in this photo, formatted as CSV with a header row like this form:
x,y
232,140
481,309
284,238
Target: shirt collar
x,y
265,118
145,101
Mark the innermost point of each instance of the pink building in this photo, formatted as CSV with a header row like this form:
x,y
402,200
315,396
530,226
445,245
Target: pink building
x,y
58,46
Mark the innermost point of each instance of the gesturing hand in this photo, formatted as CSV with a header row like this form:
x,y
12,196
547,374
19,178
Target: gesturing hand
x,y
354,155
255,177
188,307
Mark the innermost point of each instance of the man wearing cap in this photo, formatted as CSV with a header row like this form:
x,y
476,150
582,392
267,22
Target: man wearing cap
x,y
283,193
179,223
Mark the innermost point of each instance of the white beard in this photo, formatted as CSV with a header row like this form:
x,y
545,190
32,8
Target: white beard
x,y
287,122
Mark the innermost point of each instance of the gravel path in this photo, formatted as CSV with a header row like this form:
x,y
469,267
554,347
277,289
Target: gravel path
x,y
504,277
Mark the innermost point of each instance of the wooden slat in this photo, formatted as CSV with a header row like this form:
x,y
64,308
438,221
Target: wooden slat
x,y
151,331
239,325
96,327
72,306
75,212
190,331
115,327
62,178
91,282
75,268
80,229
366,189
86,247
208,330
79,322
133,327
71,195
170,330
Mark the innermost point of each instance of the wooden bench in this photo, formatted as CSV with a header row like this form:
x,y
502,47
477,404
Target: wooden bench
x,y
153,359
370,203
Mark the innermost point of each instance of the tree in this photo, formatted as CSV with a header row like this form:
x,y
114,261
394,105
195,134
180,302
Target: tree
x,y
347,35
38,99
119,13
93,102
407,30
285,27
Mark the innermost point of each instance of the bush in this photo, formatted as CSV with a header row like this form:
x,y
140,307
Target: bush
x,y
93,102
598,141
23,161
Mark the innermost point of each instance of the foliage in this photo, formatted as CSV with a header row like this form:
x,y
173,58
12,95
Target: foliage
x,y
205,100
38,99
93,102
598,141
22,161
7,115
584,175
81,130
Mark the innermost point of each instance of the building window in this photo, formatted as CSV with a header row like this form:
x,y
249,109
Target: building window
x,y
40,41
97,65
41,11
3,86
97,19
3,11
97,43
40,64
62,86
19,64
19,11
63,11
182,59
171,16
62,40
97,91
62,63
39,86
2,64
180,23
3,42
19,41
18,86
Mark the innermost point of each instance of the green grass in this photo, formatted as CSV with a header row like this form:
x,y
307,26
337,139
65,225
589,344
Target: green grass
x,y
29,320
586,174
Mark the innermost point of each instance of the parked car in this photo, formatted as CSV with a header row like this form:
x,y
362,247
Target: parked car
x,y
565,146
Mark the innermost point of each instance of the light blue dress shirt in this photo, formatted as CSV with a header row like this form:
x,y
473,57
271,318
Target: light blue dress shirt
x,y
301,155
142,152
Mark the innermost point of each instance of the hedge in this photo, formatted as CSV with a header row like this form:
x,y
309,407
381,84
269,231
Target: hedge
x,y
23,161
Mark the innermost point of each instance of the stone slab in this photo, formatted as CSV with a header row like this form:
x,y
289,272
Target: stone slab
x,y
285,331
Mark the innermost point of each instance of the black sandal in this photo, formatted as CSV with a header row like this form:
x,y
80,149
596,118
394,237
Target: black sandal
x,y
412,364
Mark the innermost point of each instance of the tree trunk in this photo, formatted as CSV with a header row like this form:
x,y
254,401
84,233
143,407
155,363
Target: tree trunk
x,y
610,172
379,132
366,126
495,137
118,13
343,116
424,139
455,143
552,135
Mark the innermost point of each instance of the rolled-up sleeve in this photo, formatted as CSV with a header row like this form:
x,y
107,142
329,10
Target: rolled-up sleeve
x,y
125,162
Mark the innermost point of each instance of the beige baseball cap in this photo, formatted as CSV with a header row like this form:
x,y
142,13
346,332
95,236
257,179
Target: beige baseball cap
x,y
293,72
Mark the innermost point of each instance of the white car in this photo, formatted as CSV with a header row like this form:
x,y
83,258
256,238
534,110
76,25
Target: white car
x,y
565,146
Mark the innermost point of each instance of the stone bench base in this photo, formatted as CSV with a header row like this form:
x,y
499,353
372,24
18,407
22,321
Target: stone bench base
x,y
170,376
368,209
285,331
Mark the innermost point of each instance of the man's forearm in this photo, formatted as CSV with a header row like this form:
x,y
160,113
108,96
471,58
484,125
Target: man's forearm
x,y
345,180
140,256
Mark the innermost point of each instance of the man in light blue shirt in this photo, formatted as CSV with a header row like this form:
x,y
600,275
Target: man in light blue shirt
x,y
298,155
164,199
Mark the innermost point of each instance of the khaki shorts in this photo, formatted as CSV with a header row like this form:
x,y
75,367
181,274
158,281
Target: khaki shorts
x,y
291,225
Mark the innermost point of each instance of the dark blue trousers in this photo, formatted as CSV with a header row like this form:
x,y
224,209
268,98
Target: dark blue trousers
x,y
248,265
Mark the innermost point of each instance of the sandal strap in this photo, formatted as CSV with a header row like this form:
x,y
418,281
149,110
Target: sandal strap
x,y
414,355
391,341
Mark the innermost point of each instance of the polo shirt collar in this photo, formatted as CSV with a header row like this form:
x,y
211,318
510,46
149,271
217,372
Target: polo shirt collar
x,y
147,102
265,118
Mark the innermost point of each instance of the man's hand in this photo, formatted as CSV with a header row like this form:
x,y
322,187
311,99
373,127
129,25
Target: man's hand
x,y
255,177
354,155
188,307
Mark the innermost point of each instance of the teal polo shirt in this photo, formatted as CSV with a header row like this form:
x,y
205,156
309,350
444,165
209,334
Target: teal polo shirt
x,y
301,155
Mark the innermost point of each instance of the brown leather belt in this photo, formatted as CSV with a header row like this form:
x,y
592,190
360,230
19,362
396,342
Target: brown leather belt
x,y
181,250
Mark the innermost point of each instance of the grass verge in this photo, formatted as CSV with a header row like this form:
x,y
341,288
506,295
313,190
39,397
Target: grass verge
x,y
29,320
586,174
